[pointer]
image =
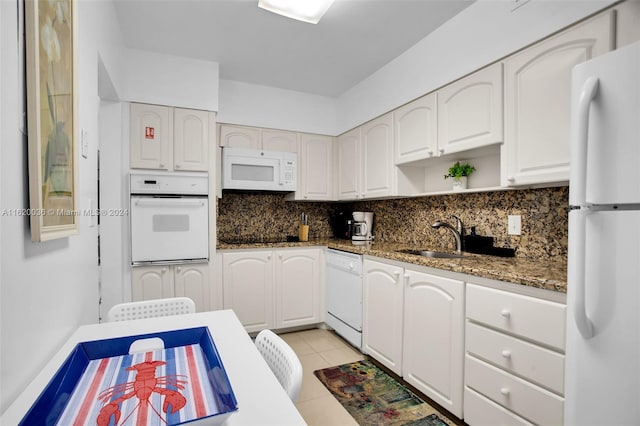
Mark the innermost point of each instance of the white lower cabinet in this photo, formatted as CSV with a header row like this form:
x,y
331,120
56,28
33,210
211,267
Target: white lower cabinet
x,y
273,288
159,282
382,319
514,362
413,324
433,348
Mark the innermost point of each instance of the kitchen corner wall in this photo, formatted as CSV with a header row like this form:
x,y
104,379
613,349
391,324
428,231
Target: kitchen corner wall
x,y
544,218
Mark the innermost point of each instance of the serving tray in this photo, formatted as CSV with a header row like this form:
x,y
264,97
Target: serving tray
x,y
101,383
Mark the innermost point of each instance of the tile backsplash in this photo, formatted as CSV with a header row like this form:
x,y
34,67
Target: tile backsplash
x,y
544,218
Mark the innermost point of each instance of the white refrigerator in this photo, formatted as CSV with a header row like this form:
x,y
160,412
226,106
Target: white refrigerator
x,y
602,369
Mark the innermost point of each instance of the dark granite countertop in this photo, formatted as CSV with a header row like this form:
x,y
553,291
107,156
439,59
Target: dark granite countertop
x,y
534,273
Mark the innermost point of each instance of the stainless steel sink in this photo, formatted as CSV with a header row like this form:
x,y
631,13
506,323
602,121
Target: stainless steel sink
x,y
434,254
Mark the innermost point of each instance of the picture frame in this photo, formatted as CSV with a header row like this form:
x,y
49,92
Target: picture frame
x,y
52,116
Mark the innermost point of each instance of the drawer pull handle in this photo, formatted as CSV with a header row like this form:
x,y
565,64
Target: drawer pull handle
x,y
505,391
505,313
506,353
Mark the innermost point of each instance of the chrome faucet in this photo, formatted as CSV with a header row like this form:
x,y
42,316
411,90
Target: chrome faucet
x,y
457,230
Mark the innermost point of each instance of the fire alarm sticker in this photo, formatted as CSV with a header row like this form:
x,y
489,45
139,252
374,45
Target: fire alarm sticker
x,y
149,133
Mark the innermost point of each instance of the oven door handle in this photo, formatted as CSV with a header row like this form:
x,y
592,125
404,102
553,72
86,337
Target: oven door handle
x,y
175,202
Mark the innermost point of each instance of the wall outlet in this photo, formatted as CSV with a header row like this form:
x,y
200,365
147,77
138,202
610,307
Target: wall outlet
x,y
514,224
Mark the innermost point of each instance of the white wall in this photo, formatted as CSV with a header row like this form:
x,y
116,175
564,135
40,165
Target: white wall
x,y
262,106
482,33
47,289
169,80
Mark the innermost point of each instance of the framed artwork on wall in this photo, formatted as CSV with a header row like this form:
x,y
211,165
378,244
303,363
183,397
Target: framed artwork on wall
x,y
52,117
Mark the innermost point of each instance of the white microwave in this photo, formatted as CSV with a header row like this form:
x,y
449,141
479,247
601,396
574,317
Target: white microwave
x,y
253,169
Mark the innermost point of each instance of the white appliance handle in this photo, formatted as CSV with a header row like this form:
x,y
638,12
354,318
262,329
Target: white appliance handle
x,y
579,147
579,186
583,322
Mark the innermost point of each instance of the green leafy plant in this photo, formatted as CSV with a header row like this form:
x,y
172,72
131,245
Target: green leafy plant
x,y
459,170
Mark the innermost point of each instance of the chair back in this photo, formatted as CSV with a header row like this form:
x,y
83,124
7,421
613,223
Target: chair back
x,y
151,309
282,360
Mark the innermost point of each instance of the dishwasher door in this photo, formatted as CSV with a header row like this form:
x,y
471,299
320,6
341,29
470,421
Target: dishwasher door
x,y
344,291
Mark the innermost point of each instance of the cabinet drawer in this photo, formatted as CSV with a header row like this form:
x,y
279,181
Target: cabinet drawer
x,y
536,319
540,365
480,411
526,399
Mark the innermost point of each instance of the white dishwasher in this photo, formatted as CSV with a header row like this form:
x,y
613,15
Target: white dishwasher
x,y
344,295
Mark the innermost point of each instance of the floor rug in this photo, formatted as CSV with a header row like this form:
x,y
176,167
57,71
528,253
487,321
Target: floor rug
x,y
373,397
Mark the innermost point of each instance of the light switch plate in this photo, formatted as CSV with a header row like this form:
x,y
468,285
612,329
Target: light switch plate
x,y
514,224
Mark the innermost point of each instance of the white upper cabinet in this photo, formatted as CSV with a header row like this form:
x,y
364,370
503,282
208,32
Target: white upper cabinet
x,y
415,126
166,138
257,138
239,137
315,168
349,164
470,113
190,140
377,156
151,134
365,165
276,140
538,102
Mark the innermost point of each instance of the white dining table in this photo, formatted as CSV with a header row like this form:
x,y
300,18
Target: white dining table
x,y
261,399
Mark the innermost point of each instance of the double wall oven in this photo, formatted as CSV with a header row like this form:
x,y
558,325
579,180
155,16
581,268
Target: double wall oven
x,y
169,218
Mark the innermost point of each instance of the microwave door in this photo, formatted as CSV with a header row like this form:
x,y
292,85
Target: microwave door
x,y
259,173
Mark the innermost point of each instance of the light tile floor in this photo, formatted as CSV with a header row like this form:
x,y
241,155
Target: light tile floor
x,y
318,349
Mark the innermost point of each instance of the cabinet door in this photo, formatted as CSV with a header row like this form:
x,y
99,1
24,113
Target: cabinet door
x,y
538,102
349,165
433,352
382,313
315,168
151,133
151,282
470,111
276,140
248,288
377,154
191,140
239,137
415,127
298,290
192,281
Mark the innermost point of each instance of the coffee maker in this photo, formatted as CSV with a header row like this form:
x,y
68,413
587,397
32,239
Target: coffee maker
x,y
362,226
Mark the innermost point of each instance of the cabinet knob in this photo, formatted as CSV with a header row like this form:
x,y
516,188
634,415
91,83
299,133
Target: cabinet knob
x,y
280,256
163,270
306,196
511,179
161,165
506,353
269,257
396,273
430,152
179,269
441,150
505,313
178,166
505,391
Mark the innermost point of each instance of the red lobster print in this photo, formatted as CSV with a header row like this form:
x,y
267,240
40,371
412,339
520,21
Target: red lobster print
x,y
145,384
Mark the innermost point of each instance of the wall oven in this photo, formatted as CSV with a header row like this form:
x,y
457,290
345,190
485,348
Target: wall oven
x,y
169,217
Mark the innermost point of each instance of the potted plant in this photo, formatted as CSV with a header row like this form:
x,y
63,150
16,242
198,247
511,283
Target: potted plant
x,y
459,173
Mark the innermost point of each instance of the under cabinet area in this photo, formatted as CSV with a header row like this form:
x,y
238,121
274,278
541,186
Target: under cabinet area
x,y
167,138
514,362
274,289
162,281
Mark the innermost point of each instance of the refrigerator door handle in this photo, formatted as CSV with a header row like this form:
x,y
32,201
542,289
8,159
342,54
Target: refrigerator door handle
x,y
578,172
583,322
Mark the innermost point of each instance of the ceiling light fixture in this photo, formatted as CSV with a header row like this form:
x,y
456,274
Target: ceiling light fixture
x,y
303,10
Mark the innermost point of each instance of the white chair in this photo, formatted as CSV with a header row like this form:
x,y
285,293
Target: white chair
x,y
151,309
282,360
